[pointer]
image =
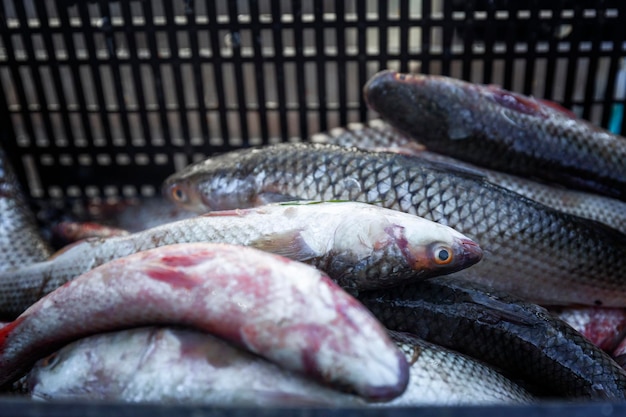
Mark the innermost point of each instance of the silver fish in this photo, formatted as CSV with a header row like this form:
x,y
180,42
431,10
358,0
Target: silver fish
x,y
20,241
359,245
530,250
285,311
165,365
377,135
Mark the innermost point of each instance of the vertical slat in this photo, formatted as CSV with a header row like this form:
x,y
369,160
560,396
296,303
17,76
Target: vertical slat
x,y
176,70
362,54
237,64
299,57
133,48
155,62
259,69
340,12
279,69
94,64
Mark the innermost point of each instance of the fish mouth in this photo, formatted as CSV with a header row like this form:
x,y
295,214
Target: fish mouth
x,y
470,252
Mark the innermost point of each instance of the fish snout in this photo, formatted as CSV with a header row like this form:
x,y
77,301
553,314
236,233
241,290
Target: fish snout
x,y
469,252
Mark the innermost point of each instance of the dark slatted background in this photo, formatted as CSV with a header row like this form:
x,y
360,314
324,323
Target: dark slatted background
x,y
105,98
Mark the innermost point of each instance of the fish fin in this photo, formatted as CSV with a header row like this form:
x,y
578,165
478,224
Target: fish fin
x,y
516,102
502,310
463,168
556,106
289,244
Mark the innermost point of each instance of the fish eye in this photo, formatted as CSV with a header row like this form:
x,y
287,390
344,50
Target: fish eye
x,y
178,194
442,255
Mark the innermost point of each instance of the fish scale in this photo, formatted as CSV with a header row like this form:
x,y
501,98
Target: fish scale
x,y
519,338
530,250
501,130
20,241
377,135
358,245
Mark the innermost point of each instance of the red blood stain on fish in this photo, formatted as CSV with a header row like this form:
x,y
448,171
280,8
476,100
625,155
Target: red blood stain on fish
x,y
7,329
176,261
174,277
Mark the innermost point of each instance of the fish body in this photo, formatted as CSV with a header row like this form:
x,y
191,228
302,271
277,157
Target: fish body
x,y
285,311
604,327
501,130
529,249
377,135
359,245
20,241
521,339
169,365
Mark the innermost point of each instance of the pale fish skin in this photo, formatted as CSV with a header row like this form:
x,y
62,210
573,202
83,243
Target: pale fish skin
x,y
285,311
360,246
169,365
376,135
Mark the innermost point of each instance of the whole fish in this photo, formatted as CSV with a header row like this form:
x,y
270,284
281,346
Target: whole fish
x,y
165,365
523,340
20,241
529,250
604,327
379,136
358,245
501,130
285,311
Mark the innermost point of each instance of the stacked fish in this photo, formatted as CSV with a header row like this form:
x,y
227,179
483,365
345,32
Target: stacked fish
x,y
320,273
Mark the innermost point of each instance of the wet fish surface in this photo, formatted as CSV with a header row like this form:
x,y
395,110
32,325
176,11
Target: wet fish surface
x,y
604,327
20,241
522,339
359,245
501,130
529,249
285,311
169,365
377,135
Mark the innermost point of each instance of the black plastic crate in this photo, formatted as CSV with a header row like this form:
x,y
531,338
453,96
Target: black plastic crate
x,y
101,100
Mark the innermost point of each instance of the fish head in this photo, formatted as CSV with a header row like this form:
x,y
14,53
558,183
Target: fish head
x,y
385,250
213,184
423,106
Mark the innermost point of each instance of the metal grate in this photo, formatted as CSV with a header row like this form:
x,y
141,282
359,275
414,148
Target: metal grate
x,y
103,99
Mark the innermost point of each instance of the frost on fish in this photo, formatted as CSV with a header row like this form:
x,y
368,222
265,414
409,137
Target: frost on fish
x,y
285,311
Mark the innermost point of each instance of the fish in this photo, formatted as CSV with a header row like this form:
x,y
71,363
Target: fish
x,y
358,245
529,250
135,215
523,340
70,231
288,312
20,240
604,327
376,135
501,130
168,365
